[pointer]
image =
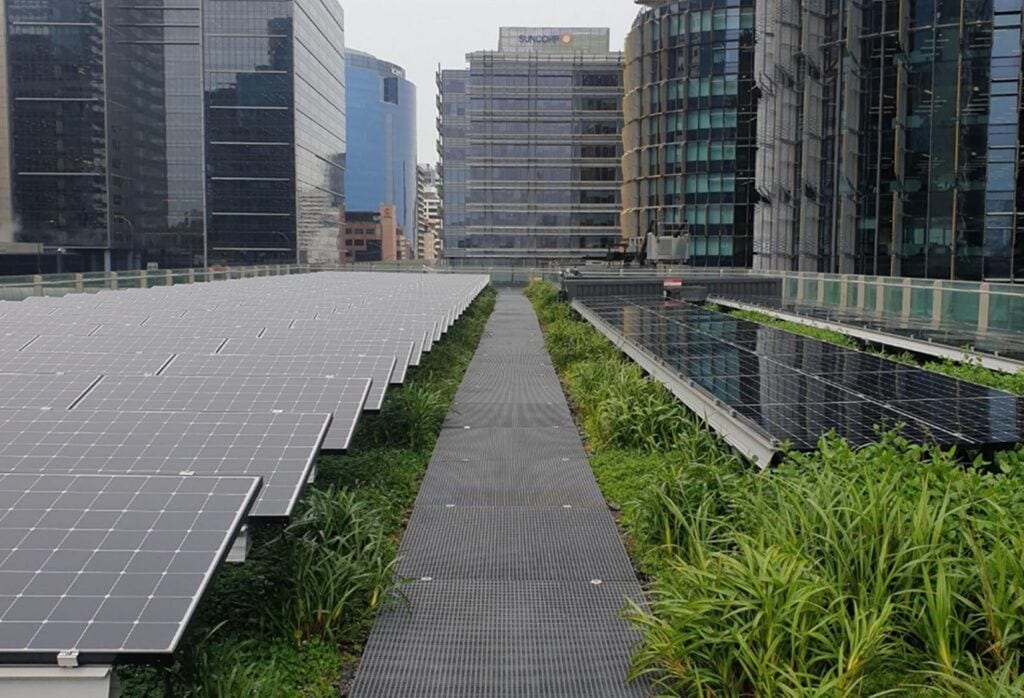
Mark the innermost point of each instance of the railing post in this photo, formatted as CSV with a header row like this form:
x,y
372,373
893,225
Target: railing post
x,y
112,280
983,308
170,277
79,284
143,280
191,276
37,285
937,303
907,295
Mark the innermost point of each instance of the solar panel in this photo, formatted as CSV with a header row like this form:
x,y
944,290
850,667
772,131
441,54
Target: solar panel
x,y
61,362
341,397
14,341
794,388
377,368
403,350
50,391
131,344
280,448
109,565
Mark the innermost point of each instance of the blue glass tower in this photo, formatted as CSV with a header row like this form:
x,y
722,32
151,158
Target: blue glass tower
x,y
381,159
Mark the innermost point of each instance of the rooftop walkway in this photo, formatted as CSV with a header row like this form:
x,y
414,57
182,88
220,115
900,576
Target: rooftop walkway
x,y
520,572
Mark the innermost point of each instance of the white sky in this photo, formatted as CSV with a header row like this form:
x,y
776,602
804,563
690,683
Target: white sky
x,y
419,34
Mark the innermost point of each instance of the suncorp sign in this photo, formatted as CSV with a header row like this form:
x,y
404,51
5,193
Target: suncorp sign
x,y
545,39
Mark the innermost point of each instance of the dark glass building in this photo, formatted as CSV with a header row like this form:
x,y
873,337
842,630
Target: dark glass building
x,y
55,118
689,134
381,117
531,149
174,132
275,130
155,133
889,138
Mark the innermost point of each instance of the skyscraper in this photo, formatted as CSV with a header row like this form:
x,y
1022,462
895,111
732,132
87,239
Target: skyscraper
x,y
530,148
428,213
688,163
887,134
175,132
381,116
889,138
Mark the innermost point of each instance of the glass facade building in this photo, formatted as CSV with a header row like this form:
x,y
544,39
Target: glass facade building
x,y
175,132
275,130
689,134
939,187
56,124
381,165
155,132
531,149
889,138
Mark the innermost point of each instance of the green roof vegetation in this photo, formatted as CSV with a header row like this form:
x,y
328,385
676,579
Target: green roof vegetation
x,y
893,569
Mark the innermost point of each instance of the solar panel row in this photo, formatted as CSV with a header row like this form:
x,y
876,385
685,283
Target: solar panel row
x,y
789,388
139,429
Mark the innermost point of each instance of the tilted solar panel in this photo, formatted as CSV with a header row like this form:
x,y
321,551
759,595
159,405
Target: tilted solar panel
x,y
377,368
280,448
108,566
795,389
343,398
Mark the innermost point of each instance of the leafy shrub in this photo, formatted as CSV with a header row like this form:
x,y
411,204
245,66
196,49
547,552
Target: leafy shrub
x,y
341,560
826,574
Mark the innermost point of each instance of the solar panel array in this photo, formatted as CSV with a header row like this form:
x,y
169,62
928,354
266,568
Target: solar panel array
x,y
783,387
140,429
1002,343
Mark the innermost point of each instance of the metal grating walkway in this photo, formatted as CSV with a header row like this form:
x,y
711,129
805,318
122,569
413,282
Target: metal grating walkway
x,y
520,573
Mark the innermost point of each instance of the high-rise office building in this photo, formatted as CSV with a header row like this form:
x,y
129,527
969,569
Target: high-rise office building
x,y
887,134
175,132
889,138
381,162
530,148
689,134
428,213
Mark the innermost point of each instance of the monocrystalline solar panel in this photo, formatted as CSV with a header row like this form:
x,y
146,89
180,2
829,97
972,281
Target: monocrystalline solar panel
x,y
15,341
343,398
403,350
48,391
379,369
130,344
280,448
62,362
108,566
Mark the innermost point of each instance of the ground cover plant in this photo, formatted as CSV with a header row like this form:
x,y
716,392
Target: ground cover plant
x,y
894,569
292,619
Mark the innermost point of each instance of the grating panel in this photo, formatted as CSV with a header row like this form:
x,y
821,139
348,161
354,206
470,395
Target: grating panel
x,y
508,414
516,447
513,543
551,481
461,639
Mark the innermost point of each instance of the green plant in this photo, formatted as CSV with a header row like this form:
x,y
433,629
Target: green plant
x,y
892,569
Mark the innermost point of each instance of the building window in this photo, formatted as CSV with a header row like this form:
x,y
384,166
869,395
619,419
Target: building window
x,y
391,90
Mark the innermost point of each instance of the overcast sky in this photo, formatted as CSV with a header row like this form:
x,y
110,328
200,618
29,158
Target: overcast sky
x,y
419,34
